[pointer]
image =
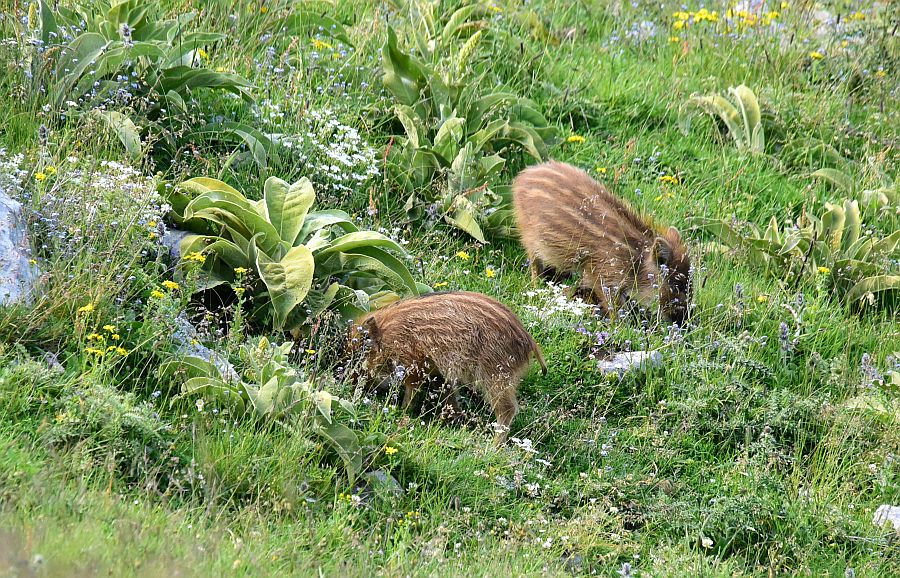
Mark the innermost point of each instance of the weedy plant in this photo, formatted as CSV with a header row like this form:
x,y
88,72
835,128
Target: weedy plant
x,y
857,263
456,135
742,117
287,254
125,66
884,196
269,390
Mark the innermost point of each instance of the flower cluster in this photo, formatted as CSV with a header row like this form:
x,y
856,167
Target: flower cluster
x,y
334,155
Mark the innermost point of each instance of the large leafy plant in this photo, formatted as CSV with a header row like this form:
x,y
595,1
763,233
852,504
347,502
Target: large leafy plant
x,y
857,263
135,72
456,135
268,389
741,116
287,254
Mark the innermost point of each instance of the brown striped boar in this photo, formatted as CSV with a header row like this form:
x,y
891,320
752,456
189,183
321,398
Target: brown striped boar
x,y
454,338
569,223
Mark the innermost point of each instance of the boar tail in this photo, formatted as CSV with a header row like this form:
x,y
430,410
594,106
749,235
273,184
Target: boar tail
x,y
540,357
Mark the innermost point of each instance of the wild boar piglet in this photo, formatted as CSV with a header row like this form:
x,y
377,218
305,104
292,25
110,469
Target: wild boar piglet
x,y
569,223
455,338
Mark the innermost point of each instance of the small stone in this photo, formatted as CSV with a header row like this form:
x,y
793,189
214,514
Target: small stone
x,y
624,362
188,343
887,514
18,273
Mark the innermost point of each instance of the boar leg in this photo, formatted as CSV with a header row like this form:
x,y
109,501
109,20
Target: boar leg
x,y
502,398
450,399
541,270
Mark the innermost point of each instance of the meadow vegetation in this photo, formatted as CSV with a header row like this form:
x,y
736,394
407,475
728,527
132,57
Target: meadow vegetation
x,y
329,157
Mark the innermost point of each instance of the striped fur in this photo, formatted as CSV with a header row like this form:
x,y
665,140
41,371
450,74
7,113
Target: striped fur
x,y
458,338
569,223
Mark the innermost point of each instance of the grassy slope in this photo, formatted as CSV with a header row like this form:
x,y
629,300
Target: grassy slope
x,y
731,440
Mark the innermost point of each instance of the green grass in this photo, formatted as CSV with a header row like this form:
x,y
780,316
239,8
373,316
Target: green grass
x,y
739,456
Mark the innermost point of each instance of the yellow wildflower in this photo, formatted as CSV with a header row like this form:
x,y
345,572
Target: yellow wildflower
x,y
824,270
195,256
880,74
202,54
320,45
89,308
32,261
601,170
441,284
489,272
263,9
844,44
762,298
681,15
674,39
121,351
390,450
109,328
784,5
157,294
671,179
463,255
240,270
575,138
857,16
95,337
94,351
678,25
51,170
171,285
151,235
151,224
815,55
495,8
115,336
40,176
310,351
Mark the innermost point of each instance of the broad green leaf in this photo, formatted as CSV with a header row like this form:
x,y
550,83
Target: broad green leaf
x,y
749,111
288,281
839,179
124,129
715,106
412,125
286,206
215,389
833,225
264,399
259,145
317,220
306,21
464,219
852,224
871,285
352,241
344,441
199,185
449,137
323,400
403,76
187,367
380,264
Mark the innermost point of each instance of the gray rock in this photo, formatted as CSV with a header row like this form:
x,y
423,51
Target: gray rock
x,y
188,343
378,483
624,362
171,240
887,514
18,276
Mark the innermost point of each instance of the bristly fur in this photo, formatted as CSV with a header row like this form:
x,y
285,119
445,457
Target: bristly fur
x,y
569,223
458,338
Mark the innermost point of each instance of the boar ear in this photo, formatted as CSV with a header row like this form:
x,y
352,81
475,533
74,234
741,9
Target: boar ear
x,y
673,235
663,251
370,326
